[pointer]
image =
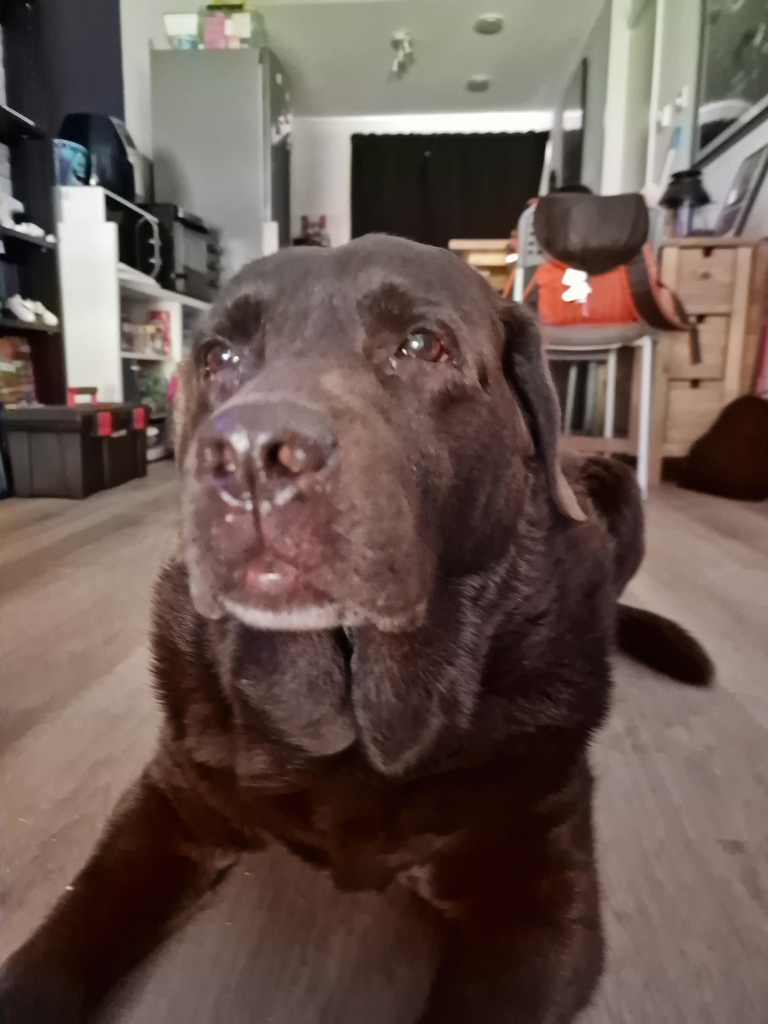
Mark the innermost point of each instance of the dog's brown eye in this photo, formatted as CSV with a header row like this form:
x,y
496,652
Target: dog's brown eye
x,y
216,356
424,345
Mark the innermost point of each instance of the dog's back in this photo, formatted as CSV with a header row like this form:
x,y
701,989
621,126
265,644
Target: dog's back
x,y
656,641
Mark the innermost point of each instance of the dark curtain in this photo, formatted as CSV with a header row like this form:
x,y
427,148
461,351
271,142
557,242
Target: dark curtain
x,y
281,189
432,188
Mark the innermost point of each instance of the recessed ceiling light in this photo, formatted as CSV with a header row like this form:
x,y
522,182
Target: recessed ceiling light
x,y
489,24
478,83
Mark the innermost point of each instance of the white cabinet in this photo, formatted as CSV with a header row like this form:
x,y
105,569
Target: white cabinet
x,y
98,293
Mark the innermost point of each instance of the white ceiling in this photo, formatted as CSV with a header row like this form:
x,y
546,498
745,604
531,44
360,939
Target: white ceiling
x,y
338,53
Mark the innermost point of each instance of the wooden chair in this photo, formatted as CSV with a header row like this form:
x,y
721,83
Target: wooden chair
x,y
597,344
488,256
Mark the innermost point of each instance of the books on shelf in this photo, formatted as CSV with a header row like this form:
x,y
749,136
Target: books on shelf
x,y
17,382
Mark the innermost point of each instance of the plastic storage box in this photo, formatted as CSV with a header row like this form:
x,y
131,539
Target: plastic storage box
x,y
62,452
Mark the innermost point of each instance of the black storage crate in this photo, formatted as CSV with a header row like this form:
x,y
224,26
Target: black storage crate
x,y
62,452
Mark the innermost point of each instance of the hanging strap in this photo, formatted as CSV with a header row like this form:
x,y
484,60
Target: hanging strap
x,y
531,297
658,305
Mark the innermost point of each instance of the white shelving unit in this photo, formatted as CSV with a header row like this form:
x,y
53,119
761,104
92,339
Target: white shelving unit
x,y
98,293
143,357
133,282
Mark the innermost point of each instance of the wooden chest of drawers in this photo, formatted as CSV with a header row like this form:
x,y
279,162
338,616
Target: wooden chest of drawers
x,y
723,283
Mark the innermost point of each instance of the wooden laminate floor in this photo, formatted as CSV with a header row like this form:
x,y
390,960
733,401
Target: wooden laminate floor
x,y
682,803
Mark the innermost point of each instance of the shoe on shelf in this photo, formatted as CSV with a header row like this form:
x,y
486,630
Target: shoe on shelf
x,y
28,228
49,319
22,309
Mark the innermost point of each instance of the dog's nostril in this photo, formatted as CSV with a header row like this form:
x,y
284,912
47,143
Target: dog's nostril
x,y
294,456
272,458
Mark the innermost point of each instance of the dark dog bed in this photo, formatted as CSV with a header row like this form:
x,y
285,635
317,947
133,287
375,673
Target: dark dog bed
x,y
731,459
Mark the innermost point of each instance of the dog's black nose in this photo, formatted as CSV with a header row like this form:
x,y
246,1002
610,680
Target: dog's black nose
x,y
268,500
255,448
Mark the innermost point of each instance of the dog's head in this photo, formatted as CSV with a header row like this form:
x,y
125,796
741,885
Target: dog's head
x,y
356,423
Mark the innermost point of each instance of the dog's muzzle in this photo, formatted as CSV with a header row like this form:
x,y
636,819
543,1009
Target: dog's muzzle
x,y
265,474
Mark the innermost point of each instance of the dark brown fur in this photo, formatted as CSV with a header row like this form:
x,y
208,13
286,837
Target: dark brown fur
x,y
439,740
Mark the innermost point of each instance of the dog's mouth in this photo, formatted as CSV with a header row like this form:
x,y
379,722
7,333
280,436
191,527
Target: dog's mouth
x,y
303,577
267,591
296,573
270,590
344,639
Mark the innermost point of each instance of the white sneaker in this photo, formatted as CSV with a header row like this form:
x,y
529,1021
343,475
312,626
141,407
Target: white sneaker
x,y
49,319
22,309
33,230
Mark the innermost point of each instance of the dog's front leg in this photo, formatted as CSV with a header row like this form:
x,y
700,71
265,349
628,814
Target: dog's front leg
x,y
524,942
146,871
521,976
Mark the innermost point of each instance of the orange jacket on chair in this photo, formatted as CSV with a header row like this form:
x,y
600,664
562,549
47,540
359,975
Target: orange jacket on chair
x,y
610,301
628,294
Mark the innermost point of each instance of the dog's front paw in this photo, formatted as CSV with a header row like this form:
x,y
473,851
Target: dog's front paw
x,y
32,997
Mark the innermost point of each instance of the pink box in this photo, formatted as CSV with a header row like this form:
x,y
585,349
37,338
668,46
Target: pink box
x,y
215,31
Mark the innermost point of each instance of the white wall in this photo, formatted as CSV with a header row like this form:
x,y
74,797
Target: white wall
x,y
321,180
596,52
630,77
141,26
137,19
653,65
676,64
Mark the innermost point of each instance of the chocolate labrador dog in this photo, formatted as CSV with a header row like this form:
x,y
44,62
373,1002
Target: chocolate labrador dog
x,y
384,642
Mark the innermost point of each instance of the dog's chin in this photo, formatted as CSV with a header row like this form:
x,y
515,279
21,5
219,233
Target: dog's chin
x,y
270,594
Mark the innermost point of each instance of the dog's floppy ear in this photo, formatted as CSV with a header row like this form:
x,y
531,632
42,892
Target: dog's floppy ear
x,y
186,408
528,375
